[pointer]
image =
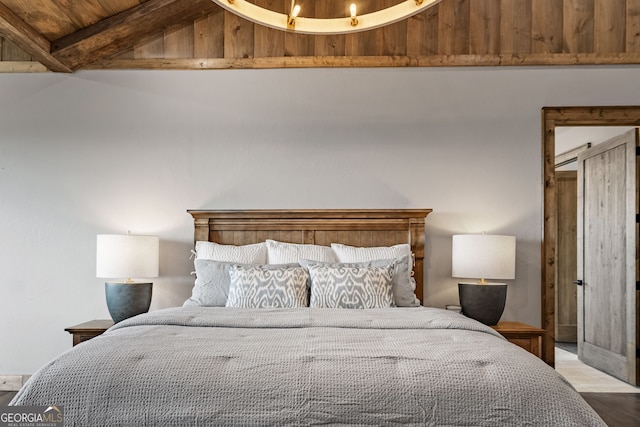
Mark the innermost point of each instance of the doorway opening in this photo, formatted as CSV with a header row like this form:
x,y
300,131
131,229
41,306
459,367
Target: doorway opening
x,y
553,117
571,142
585,324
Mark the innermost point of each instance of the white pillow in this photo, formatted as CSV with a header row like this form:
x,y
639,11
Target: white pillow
x,y
247,254
363,254
285,253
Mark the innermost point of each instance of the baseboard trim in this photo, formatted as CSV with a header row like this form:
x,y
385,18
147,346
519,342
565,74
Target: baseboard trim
x,y
12,382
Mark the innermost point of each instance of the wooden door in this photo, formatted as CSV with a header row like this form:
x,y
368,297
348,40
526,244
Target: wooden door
x,y
607,239
566,257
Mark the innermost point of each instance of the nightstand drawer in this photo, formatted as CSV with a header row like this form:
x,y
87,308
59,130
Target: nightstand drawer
x,y
526,336
86,331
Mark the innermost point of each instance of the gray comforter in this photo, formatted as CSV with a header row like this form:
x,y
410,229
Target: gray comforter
x,y
221,366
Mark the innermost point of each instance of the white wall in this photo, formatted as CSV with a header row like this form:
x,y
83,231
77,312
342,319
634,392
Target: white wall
x,y
101,152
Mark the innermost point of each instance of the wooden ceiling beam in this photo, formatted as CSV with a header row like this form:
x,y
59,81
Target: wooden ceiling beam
x,y
123,30
488,60
29,40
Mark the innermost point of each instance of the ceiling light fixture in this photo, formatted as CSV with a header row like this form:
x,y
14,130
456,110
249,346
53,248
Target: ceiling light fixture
x,y
309,25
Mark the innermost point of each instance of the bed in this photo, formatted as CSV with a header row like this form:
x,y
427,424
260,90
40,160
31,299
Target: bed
x,y
203,365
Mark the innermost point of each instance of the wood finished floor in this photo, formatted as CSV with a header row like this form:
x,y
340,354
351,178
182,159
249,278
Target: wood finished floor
x,y
586,379
616,409
5,397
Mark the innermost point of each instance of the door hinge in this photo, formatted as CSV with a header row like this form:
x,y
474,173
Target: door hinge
x,y
637,352
637,286
637,150
637,218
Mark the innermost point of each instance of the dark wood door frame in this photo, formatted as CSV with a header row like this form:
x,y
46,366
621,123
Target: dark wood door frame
x,y
551,118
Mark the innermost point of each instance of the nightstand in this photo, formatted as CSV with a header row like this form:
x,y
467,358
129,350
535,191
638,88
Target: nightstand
x,y
523,335
86,331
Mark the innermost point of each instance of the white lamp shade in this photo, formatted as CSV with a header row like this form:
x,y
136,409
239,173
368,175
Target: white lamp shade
x,y
126,256
483,256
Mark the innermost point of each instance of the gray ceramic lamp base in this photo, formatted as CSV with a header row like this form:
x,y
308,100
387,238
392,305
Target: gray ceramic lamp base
x,y
484,303
126,300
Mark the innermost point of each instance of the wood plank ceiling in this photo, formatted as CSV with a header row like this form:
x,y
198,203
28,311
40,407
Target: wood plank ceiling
x,y
69,35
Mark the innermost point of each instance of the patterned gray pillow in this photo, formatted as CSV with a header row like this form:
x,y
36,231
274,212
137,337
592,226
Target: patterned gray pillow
x,y
402,284
350,286
267,286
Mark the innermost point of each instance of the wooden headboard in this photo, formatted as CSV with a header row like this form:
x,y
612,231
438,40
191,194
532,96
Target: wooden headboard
x,y
355,227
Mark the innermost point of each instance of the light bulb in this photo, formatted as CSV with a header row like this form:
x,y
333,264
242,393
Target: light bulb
x,y
354,19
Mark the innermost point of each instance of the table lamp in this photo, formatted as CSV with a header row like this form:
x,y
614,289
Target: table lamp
x,y
124,257
483,256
